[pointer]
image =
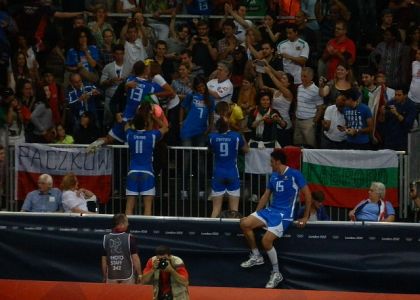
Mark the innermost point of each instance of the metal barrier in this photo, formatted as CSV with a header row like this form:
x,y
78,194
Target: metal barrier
x,y
183,184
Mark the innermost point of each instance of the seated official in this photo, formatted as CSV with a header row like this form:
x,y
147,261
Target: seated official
x,y
375,208
318,212
45,198
75,199
168,275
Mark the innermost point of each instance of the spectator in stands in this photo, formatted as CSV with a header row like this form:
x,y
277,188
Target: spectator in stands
x,y
368,87
283,96
415,193
106,50
295,53
112,76
239,69
375,208
75,199
342,82
158,8
141,142
414,93
100,24
84,55
359,122
19,71
11,116
263,122
81,98
186,57
284,185
317,212
202,47
380,79
338,49
61,136
226,46
179,37
182,86
221,88
309,35
42,125
144,32
309,110
31,62
268,54
387,21
55,96
124,256
397,120
26,97
308,9
413,40
269,29
55,60
241,24
124,6
45,199
333,137
86,132
133,48
166,64
392,58
225,145
168,275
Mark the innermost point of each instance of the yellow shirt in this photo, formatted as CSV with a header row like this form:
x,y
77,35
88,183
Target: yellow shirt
x,y
237,115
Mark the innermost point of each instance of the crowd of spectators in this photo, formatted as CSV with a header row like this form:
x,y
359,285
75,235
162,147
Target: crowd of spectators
x,y
292,76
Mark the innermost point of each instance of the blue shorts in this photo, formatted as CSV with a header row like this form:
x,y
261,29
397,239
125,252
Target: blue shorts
x,y
221,185
273,220
140,183
117,132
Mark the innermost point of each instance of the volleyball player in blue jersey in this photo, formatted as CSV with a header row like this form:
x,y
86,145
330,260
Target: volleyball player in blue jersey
x,y
141,141
225,145
284,186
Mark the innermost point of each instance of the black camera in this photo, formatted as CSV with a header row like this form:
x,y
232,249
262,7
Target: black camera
x,y
163,263
197,39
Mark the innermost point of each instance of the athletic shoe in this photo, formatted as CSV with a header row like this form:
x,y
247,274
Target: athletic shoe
x,y
275,279
254,260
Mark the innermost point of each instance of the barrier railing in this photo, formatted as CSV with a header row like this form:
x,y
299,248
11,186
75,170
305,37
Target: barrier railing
x,y
183,185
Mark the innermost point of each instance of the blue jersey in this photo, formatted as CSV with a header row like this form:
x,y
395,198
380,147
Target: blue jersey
x,y
136,95
357,118
196,121
225,147
285,189
141,144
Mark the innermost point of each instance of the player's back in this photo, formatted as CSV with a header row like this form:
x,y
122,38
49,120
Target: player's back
x,y
141,144
225,147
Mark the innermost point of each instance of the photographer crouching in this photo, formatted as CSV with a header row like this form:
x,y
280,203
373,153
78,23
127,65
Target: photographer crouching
x,y
168,275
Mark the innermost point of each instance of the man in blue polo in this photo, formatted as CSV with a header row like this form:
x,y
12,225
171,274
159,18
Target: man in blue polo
x,y
45,198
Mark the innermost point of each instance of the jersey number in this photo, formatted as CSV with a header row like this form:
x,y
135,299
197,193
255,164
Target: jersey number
x,y
224,149
139,146
279,186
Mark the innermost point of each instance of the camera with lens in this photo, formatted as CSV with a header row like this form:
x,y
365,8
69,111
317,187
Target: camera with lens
x,y
163,263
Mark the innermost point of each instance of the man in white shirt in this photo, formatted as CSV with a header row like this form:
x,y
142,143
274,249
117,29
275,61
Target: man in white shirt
x,y
294,51
134,50
333,138
308,110
112,76
239,19
221,88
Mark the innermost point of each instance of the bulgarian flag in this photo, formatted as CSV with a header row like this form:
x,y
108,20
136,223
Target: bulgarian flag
x,y
345,176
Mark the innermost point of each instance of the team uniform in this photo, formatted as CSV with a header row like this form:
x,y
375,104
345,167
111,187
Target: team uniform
x,y
225,147
196,122
134,99
285,191
141,179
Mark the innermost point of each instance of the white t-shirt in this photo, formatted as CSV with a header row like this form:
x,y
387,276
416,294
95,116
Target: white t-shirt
x,y
133,53
414,93
282,105
224,89
298,48
70,201
337,118
307,101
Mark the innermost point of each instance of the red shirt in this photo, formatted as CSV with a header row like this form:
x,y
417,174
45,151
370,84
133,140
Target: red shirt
x,y
346,45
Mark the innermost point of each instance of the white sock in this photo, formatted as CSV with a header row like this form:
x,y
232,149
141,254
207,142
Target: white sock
x,y
256,252
272,255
